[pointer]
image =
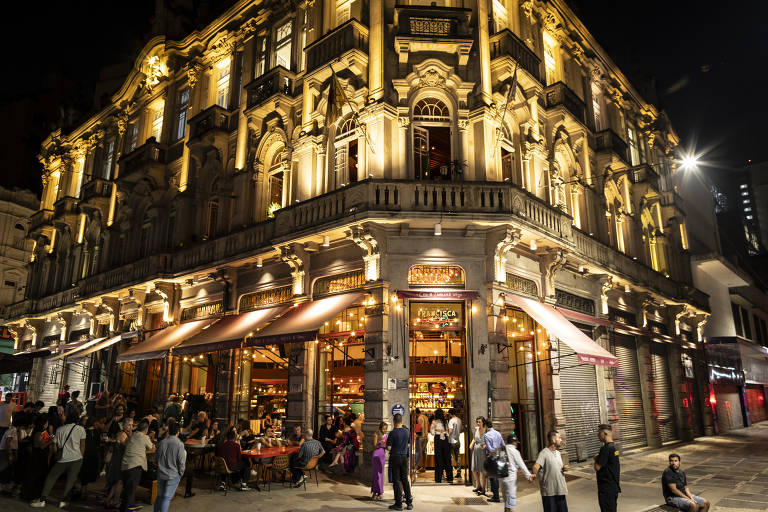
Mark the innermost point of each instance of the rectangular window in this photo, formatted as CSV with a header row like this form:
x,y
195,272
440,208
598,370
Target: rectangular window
x,y
157,124
283,45
597,111
133,136
222,84
508,166
213,219
634,154
181,117
343,11
12,284
745,324
758,330
239,79
109,152
500,16
261,57
549,63
737,319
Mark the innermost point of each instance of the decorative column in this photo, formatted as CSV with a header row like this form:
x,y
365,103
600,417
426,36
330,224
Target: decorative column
x,y
376,51
484,46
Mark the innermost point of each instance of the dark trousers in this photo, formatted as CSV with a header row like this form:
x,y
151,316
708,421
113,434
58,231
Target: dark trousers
x,y
495,487
443,460
607,501
131,479
241,472
296,465
398,464
456,457
554,503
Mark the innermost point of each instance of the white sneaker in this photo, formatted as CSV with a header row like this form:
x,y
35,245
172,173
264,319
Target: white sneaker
x,y
254,473
63,504
37,504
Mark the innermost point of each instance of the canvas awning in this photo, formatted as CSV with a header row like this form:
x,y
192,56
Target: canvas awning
x,y
157,346
69,350
229,332
553,321
303,322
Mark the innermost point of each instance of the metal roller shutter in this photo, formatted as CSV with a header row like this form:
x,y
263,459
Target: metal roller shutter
x,y
662,390
629,397
581,405
728,406
77,370
756,403
50,384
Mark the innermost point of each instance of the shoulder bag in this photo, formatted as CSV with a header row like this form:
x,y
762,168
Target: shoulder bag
x,y
60,452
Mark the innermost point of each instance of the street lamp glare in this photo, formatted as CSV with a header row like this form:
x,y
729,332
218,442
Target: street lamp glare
x,y
689,162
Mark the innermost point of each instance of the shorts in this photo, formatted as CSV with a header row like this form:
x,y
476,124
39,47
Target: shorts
x,y
684,503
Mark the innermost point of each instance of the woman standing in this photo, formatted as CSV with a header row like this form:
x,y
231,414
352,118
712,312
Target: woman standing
x,y
509,484
92,459
439,431
477,447
39,459
114,473
378,459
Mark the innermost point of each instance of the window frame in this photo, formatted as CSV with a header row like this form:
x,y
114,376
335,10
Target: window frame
x,y
182,111
283,43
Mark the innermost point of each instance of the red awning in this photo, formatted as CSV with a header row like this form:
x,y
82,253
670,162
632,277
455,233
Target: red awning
x,y
229,332
553,321
302,323
158,345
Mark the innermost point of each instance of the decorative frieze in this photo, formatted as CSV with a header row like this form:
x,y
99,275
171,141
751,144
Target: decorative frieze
x,y
574,302
210,310
521,285
264,298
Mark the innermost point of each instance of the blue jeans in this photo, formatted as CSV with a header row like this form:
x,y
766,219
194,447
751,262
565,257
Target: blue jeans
x,y
165,491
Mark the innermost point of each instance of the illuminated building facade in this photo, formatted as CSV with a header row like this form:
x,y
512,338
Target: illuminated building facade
x,y
318,206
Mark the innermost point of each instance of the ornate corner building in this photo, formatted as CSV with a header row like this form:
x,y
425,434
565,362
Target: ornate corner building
x,y
309,207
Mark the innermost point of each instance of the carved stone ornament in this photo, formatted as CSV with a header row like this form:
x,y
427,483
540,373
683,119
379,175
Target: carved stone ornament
x,y
463,124
247,28
156,70
224,47
403,121
527,9
194,72
431,78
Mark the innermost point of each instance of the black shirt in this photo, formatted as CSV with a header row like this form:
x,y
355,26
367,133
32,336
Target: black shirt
x,y
671,476
608,474
399,439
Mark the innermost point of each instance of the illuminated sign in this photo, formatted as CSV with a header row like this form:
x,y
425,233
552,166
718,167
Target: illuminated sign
x,y
5,333
202,312
339,283
257,300
436,275
436,315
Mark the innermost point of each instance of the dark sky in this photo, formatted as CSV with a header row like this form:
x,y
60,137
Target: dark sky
x,y
708,59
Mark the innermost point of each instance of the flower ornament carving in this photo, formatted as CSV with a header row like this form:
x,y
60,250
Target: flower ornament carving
x,y
156,70
431,78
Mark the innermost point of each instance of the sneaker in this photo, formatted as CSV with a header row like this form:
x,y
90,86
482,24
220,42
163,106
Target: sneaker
x,y
135,507
254,473
244,487
37,503
494,500
301,479
63,504
409,507
395,507
222,487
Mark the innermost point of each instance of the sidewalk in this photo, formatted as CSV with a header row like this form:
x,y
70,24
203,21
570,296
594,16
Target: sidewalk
x,y
731,471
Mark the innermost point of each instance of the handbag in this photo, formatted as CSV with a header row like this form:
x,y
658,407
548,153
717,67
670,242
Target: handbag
x,y
60,453
497,464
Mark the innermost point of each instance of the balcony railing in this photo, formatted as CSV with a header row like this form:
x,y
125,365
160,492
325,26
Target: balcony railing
x,y
275,81
644,173
65,206
96,188
211,119
560,94
174,152
40,218
608,140
148,154
507,43
352,35
432,22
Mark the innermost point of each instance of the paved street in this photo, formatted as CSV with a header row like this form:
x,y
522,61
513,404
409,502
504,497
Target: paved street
x,y
731,471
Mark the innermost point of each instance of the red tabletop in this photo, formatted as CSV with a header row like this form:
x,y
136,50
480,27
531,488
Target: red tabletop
x,y
271,451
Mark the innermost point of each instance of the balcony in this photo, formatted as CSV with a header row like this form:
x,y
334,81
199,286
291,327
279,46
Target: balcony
x,y
351,37
644,173
214,119
559,94
432,29
609,142
97,188
505,43
275,81
148,159
40,219
67,211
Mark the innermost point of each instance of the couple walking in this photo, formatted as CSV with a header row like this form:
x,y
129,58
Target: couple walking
x,y
398,444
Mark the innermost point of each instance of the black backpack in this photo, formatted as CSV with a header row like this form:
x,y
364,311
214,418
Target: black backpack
x,y
497,464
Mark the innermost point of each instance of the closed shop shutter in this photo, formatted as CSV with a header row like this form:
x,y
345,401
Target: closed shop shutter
x,y
728,407
77,370
50,383
662,390
756,403
581,405
629,396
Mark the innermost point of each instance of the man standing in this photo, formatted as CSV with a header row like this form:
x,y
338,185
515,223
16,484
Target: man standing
x,y
454,433
493,440
674,486
310,448
171,460
549,468
398,446
134,462
6,413
420,429
608,470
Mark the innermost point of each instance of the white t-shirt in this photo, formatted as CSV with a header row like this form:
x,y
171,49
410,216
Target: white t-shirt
x,y
454,425
6,413
70,447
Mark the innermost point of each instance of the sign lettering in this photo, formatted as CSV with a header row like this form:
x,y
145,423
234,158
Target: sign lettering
x,y
202,312
430,315
436,275
260,299
339,283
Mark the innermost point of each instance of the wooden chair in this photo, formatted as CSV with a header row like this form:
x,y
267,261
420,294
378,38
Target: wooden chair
x,y
279,466
309,468
220,469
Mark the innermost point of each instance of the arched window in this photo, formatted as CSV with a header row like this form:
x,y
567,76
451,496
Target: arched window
x,y
432,156
346,152
276,182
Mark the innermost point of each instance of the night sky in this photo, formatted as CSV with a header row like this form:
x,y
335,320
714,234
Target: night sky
x,y
707,60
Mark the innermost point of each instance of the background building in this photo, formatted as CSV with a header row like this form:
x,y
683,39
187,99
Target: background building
x,y
348,206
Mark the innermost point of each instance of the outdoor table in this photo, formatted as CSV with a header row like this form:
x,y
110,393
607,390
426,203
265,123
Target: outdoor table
x,y
195,450
269,452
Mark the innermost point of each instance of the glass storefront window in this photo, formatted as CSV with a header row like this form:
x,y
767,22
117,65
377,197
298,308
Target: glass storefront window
x,y
268,398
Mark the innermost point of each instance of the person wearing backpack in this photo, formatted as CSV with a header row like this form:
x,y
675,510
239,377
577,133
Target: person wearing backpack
x,y
70,445
509,483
